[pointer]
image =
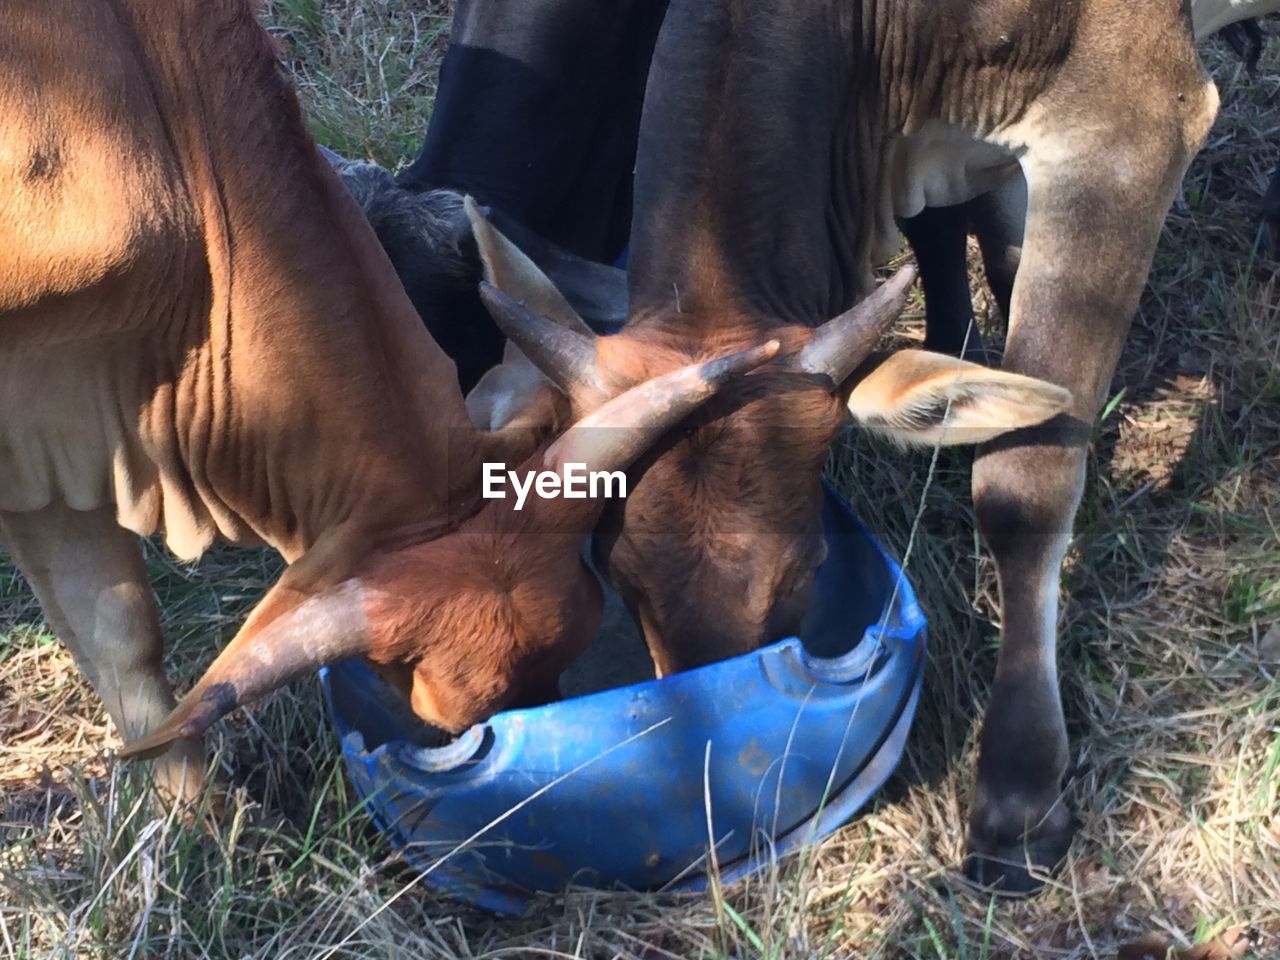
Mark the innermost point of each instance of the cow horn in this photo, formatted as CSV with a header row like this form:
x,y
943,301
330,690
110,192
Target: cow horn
x,y
509,268
567,358
336,160
322,629
617,433
843,342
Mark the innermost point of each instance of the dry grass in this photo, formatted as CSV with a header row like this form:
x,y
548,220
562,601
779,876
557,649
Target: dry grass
x,y
1170,683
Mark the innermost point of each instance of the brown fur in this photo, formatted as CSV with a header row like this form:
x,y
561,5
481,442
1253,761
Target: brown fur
x,y
501,586
715,548
192,334
740,541
1101,102
200,335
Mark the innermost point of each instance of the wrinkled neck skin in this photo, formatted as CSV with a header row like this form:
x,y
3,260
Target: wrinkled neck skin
x,y
346,407
768,134
274,382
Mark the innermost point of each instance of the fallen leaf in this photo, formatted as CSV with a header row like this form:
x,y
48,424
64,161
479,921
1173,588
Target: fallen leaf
x,y
1230,945
1269,645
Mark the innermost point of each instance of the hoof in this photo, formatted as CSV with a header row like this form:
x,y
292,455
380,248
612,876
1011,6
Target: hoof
x,y
180,778
1005,856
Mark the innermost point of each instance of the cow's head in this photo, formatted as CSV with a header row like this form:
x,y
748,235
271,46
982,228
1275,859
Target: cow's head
x,y
715,548
428,238
466,619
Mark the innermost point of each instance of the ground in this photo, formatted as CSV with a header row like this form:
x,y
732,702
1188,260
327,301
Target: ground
x,y
1170,661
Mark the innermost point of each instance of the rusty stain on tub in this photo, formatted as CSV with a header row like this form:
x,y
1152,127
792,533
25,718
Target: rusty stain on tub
x,y
753,757
551,864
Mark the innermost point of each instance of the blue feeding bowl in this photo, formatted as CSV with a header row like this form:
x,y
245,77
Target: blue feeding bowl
x,y
629,787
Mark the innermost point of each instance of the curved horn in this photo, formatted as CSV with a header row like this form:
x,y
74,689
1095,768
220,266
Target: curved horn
x,y
566,357
508,268
322,629
843,342
335,159
613,436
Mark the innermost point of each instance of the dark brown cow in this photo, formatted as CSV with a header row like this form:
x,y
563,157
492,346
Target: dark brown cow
x,y
536,115
428,237
776,142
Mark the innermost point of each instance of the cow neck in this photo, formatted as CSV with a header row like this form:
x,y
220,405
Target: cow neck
x,y
692,334
331,407
744,192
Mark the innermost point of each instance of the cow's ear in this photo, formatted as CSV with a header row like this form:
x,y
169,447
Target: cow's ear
x,y
917,397
515,395
508,269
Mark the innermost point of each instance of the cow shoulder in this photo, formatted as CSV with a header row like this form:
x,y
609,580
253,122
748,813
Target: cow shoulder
x,y
87,184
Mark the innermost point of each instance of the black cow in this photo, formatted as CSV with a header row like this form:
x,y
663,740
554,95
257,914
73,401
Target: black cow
x,y
537,116
429,240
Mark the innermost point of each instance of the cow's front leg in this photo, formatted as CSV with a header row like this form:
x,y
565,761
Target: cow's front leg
x,y
998,220
1025,498
939,239
88,575
1093,218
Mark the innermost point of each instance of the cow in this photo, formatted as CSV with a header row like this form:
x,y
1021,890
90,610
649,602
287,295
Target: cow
x,y
428,236
773,141
992,205
200,336
537,114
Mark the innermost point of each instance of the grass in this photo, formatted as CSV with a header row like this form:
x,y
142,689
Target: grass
x,y
366,70
1171,692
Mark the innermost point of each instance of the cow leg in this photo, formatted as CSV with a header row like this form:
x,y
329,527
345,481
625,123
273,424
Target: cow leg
x,y
88,574
938,236
1090,235
1025,498
998,219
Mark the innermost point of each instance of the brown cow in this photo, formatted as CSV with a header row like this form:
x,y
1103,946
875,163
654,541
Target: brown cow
x,y
776,139
200,335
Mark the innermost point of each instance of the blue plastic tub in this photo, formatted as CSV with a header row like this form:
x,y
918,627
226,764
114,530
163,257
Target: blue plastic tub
x,y
612,788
